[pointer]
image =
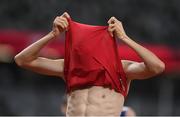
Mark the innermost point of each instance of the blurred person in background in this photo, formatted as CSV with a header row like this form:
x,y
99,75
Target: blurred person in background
x,y
94,100
127,111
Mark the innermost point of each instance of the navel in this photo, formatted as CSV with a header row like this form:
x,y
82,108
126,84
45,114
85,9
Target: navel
x,y
103,96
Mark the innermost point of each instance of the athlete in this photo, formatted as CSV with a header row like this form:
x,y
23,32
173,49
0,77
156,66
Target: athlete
x,y
94,100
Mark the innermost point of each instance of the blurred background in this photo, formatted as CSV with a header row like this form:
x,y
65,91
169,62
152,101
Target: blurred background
x,y
153,23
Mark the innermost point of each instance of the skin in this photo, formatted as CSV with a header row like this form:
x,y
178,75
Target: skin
x,y
94,100
129,111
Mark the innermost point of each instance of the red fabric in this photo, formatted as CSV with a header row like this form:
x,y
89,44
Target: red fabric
x,y
91,59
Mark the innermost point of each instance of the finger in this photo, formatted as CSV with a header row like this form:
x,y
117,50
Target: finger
x,y
66,15
64,20
64,26
111,25
112,29
111,34
111,20
60,24
115,19
64,23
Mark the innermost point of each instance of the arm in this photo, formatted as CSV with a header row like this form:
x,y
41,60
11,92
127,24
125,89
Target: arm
x,y
151,64
29,57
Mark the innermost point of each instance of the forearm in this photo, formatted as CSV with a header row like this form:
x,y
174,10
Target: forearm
x,y
151,61
32,51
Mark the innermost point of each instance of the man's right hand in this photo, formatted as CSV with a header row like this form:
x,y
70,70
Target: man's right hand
x,y
60,24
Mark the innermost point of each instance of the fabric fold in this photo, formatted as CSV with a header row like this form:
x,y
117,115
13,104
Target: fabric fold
x,y
91,59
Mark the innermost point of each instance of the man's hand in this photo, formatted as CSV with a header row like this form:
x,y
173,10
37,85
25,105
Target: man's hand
x,y
116,27
60,24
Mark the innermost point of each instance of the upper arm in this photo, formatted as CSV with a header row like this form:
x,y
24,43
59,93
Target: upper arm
x,y
46,66
136,70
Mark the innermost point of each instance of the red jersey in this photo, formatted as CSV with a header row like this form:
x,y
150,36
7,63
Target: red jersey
x,y
91,59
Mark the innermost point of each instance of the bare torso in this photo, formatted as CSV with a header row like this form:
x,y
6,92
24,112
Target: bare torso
x,y
94,101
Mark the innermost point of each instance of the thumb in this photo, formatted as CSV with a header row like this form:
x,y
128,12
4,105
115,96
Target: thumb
x,y
111,33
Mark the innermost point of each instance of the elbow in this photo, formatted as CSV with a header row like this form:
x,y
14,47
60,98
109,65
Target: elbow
x,y
159,68
18,61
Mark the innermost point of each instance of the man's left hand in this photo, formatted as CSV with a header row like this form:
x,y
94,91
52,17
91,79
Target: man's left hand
x,y
116,27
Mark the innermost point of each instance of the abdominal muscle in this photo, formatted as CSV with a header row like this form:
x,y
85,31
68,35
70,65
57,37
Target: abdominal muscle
x,y
94,101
